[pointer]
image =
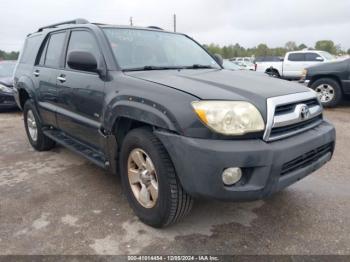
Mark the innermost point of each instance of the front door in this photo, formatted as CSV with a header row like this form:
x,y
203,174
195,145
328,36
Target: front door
x,y
81,94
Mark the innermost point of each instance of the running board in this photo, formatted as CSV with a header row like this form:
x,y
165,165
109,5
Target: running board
x,y
91,154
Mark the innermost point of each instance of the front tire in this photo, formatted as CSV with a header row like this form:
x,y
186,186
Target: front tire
x,y
33,128
149,180
328,91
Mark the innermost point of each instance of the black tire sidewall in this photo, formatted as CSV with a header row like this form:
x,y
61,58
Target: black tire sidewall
x,y
158,214
337,91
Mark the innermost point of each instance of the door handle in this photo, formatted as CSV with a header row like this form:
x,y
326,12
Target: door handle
x,y
61,78
36,73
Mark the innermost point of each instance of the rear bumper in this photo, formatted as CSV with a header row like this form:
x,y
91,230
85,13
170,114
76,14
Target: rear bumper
x,y
200,162
7,101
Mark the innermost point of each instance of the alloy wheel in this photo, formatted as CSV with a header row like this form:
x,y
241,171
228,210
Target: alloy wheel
x,y
325,93
32,126
143,178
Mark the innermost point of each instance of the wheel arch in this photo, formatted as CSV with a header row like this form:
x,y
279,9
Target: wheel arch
x,y
325,76
25,89
128,115
272,69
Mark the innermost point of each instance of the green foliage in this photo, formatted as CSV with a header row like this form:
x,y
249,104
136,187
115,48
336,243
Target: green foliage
x,y
302,46
327,45
230,51
8,56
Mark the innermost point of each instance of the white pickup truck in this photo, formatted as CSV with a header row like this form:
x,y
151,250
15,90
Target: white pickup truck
x,y
294,63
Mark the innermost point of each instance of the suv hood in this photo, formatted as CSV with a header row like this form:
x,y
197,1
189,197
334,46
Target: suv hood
x,y
336,65
214,84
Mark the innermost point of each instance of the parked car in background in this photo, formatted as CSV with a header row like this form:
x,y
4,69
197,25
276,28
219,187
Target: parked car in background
x,y
7,100
245,65
294,63
330,81
241,59
227,64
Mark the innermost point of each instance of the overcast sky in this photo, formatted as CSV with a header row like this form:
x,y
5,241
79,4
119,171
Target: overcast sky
x,y
249,22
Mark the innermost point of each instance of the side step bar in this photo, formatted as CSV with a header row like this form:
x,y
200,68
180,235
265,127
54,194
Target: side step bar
x,y
91,154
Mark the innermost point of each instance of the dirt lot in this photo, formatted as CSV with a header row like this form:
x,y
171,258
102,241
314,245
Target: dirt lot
x,y
58,203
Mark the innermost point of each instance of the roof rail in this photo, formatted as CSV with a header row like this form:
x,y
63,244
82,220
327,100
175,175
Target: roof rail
x,y
155,27
75,21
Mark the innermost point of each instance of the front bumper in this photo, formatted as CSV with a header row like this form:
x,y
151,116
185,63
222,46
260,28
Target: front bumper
x,y
199,163
305,82
7,101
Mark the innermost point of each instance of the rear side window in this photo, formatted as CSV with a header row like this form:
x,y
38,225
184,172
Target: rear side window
x,y
312,57
54,49
296,57
30,50
83,41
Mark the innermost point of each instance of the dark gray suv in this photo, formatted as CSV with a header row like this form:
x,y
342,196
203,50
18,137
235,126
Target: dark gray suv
x,y
159,110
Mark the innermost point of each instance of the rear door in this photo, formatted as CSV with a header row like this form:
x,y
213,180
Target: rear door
x,y
294,65
81,93
312,58
45,73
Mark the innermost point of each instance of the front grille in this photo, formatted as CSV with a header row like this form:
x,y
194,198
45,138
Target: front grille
x,y
306,159
283,109
292,114
279,131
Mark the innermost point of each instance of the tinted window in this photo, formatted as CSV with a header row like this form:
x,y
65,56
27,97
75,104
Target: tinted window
x,y
41,60
54,49
83,41
296,57
30,50
312,57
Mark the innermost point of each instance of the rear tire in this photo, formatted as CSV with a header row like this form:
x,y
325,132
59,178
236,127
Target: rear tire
x,y
33,128
273,73
172,202
328,91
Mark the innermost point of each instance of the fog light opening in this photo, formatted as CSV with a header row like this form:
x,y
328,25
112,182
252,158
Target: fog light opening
x,y
231,175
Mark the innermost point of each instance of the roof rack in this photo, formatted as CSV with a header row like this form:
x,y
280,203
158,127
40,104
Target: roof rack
x,y
155,27
75,21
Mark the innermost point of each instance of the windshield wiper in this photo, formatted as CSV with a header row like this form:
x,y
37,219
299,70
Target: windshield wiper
x,y
150,67
198,66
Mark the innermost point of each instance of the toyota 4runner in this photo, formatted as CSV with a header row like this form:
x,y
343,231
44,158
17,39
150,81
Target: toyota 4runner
x,y
158,109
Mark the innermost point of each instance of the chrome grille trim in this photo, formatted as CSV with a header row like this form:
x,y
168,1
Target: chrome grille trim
x,y
291,118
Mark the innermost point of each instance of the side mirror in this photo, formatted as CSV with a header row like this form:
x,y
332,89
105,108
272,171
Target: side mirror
x,y
319,59
82,60
218,58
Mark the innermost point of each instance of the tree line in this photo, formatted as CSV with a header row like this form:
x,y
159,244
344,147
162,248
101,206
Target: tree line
x,y
8,55
230,51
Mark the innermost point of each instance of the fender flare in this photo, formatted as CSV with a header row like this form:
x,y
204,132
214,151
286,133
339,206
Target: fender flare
x,y
26,84
141,110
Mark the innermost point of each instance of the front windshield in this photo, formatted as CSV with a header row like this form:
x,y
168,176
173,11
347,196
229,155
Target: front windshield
x,y
327,55
138,48
7,68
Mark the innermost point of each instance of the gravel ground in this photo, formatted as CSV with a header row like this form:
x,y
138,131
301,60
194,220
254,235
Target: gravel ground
x,y
58,203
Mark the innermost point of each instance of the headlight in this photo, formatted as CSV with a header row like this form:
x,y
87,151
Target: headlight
x,y
229,117
5,89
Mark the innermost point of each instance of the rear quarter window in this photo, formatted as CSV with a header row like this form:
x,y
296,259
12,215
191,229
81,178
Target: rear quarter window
x,y
30,50
296,57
